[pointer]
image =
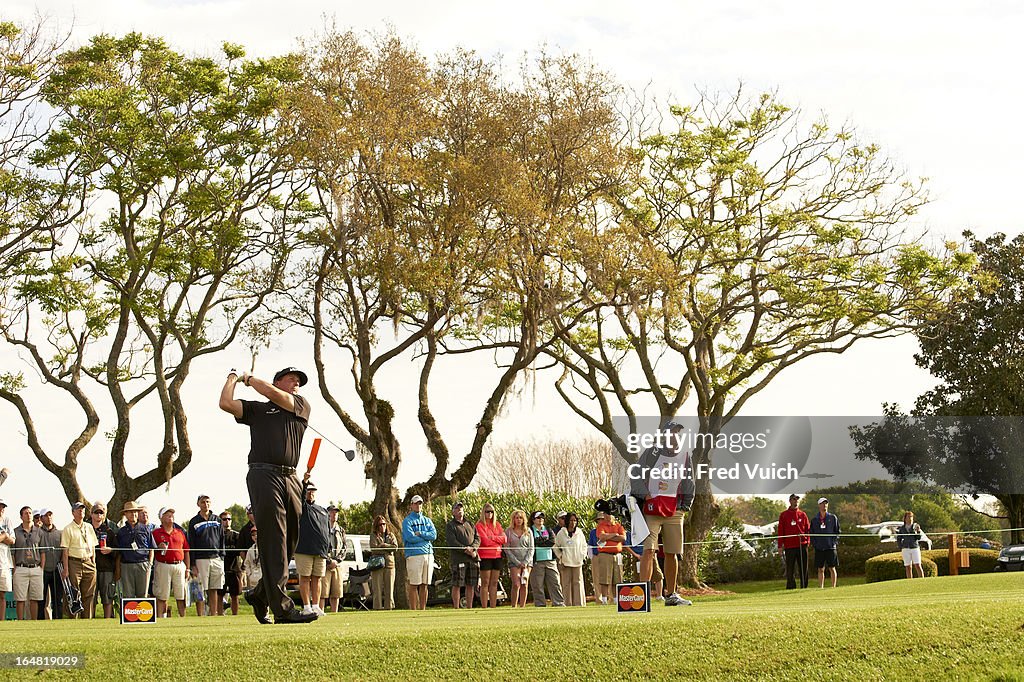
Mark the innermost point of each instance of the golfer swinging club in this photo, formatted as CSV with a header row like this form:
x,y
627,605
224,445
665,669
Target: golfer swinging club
x,y
276,428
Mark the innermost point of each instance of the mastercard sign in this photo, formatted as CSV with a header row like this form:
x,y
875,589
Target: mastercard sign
x,y
633,598
138,611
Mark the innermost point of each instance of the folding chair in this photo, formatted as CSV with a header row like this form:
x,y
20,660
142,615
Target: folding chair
x,y
357,589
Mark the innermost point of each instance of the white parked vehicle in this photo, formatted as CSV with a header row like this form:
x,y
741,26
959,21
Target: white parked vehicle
x,y
728,538
357,554
765,531
886,532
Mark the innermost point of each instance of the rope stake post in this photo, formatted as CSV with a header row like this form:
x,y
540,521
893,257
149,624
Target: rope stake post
x,y
958,558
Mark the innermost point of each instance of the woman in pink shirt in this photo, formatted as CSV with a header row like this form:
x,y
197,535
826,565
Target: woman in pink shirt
x,y
492,537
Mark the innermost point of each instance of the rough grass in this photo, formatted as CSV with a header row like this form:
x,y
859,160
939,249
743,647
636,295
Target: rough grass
x,y
968,627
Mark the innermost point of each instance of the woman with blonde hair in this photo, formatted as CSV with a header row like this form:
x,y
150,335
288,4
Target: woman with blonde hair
x,y
492,537
383,544
519,552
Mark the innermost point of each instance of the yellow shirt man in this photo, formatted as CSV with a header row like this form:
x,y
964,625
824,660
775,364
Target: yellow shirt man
x,y
79,539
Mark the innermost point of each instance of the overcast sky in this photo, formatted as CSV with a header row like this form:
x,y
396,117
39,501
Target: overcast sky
x,y
933,83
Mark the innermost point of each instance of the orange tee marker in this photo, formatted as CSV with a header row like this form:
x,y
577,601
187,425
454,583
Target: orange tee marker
x,y
312,455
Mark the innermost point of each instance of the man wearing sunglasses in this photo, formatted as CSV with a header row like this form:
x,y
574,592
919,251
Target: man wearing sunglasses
x,y
106,561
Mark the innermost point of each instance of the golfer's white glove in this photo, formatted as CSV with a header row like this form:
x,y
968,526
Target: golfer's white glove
x,y
240,377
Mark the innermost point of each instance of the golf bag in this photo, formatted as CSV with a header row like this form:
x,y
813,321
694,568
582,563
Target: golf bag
x,y
73,598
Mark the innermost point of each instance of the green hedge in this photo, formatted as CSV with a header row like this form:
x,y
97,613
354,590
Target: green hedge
x,y
982,560
736,565
890,567
968,541
853,555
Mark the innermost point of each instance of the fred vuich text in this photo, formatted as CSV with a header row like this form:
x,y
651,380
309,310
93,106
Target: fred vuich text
x,y
704,471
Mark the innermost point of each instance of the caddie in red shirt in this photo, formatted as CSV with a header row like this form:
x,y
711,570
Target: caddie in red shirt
x,y
793,530
669,494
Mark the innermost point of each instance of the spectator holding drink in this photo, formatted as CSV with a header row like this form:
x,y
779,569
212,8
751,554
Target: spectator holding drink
x,y
171,563
106,561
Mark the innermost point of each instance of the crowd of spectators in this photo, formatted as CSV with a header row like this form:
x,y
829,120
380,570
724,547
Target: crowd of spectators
x,y
106,557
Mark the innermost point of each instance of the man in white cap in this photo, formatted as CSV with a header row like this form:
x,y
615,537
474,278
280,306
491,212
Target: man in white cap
x,y
418,535
171,567
276,427
825,540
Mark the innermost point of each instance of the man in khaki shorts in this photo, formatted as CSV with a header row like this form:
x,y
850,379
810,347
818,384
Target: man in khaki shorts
x,y
330,585
170,563
206,549
311,549
669,494
610,536
418,535
28,566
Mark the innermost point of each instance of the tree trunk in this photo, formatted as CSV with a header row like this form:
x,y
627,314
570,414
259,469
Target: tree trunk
x,y
699,522
1014,505
394,517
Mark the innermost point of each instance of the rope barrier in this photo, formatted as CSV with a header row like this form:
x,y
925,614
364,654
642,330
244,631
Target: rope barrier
x,y
716,541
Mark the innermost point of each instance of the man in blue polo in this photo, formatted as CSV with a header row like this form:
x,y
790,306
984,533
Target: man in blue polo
x,y
135,556
206,545
418,535
825,539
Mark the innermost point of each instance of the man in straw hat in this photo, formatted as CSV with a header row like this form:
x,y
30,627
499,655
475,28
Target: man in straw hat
x,y
135,558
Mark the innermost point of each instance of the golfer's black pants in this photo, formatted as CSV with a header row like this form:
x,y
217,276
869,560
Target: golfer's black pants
x,y
796,567
276,507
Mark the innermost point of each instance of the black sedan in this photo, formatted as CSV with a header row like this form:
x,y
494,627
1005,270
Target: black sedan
x,y
1011,558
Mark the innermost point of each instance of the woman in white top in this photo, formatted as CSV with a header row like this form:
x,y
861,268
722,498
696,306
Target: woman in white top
x,y
571,551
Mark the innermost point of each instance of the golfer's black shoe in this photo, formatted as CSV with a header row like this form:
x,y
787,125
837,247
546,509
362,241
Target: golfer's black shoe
x,y
296,616
259,608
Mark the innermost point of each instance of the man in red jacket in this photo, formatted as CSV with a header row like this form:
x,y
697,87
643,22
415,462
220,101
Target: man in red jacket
x,y
793,530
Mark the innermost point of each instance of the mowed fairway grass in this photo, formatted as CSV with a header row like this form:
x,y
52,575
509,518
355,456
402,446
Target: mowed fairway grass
x,y
969,627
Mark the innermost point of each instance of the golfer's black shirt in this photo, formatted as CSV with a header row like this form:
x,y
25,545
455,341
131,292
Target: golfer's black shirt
x,y
276,433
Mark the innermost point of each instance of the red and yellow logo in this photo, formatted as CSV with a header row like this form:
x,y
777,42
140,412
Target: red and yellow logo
x,y
138,611
632,598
